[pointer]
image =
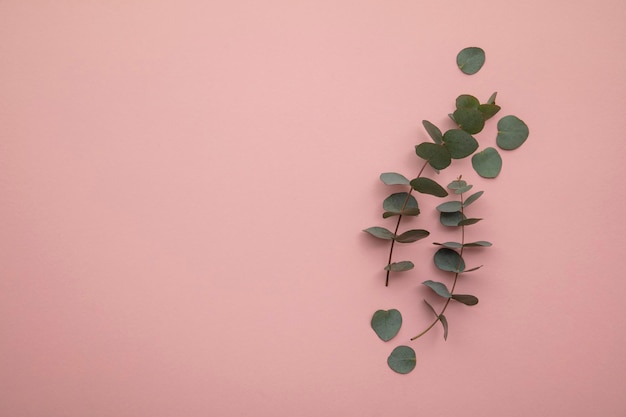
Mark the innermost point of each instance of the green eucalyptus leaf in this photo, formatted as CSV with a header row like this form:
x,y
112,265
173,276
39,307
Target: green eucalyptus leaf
x,y
451,219
457,184
449,260
466,101
472,198
492,98
427,186
400,266
487,163
488,110
438,156
431,308
467,222
470,60
380,232
401,203
402,359
473,269
470,120
459,143
450,206
468,300
463,190
444,323
393,178
512,133
451,245
412,236
439,288
386,323
480,243
433,131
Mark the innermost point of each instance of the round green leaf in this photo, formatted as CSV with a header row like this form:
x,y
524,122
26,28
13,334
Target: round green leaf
x,y
449,206
402,359
393,178
451,219
449,260
380,232
400,266
487,163
470,60
427,186
459,143
468,300
470,120
412,236
439,288
386,324
433,131
401,203
512,133
437,155
466,101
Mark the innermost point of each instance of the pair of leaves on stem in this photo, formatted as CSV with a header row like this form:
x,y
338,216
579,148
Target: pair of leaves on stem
x,y
386,324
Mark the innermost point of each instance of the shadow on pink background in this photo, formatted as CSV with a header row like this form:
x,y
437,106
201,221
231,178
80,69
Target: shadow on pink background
x,y
183,187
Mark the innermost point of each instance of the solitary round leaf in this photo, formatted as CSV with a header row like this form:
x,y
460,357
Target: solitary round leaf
x,y
412,236
427,186
402,359
450,206
437,155
470,60
470,120
401,203
400,266
487,163
387,324
512,133
468,300
433,132
439,288
449,260
451,219
393,178
459,143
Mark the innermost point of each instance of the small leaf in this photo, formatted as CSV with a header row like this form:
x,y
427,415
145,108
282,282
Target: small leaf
x,y
487,163
393,178
468,300
433,131
387,324
380,232
456,184
470,120
492,98
444,323
467,222
470,60
450,207
469,200
437,155
466,101
401,203
512,133
427,186
412,236
488,110
439,288
459,143
402,359
473,269
463,190
431,308
480,243
451,245
400,266
451,219
449,260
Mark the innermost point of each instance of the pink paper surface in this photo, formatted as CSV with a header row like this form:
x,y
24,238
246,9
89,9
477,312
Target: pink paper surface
x,y
183,186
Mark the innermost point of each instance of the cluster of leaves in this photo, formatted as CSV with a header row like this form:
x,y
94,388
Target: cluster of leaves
x,y
469,116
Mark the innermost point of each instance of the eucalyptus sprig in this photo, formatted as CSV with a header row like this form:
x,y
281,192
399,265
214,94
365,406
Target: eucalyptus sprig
x,y
469,117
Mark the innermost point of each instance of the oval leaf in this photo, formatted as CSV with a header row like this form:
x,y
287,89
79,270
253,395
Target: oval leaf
x,y
470,60
400,266
467,222
433,131
386,324
472,198
451,219
487,163
393,178
427,186
401,203
459,143
380,232
402,359
457,184
439,288
451,245
480,243
468,300
512,133
412,236
449,260
450,207
437,155
466,101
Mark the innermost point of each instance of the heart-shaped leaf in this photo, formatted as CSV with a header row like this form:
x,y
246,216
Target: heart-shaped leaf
x,y
380,232
427,186
487,163
470,60
402,359
387,323
449,260
393,178
512,133
439,288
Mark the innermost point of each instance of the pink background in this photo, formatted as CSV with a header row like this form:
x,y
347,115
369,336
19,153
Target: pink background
x,y
183,186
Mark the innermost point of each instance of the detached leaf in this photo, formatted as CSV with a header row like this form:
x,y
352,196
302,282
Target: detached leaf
x,y
401,203
512,133
444,323
468,300
467,222
380,232
487,163
427,186
433,131
449,260
387,324
439,288
402,359
437,155
459,143
400,266
412,236
393,178
451,219
450,207
470,60
469,200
